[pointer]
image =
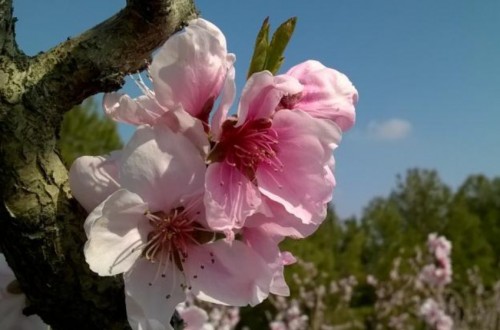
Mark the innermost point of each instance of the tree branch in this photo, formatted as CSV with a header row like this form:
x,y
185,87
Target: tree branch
x,y
41,226
7,36
99,59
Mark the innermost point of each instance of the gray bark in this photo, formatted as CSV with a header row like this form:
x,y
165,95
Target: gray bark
x,y
41,225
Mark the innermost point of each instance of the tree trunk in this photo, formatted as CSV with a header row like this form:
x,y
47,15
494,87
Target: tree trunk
x,y
41,226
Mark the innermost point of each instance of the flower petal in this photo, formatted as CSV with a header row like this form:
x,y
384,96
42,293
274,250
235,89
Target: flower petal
x,y
190,68
93,179
228,273
151,299
229,197
122,108
327,93
114,238
305,184
228,95
181,122
161,166
266,246
262,94
280,222
194,318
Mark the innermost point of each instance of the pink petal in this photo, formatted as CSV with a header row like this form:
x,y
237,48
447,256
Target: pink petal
x,y
228,273
262,94
305,184
280,222
181,122
93,179
228,95
267,247
229,197
114,238
121,108
190,68
194,318
151,299
327,93
161,166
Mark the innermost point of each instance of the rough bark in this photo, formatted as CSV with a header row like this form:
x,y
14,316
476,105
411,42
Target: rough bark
x,y
41,232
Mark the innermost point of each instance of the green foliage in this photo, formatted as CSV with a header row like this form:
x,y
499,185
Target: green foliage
x,y
269,55
86,132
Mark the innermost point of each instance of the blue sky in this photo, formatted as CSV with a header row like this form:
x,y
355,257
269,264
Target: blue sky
x,y
427,71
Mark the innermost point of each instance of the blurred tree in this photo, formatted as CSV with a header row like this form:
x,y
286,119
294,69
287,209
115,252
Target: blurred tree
x,y
470,248
480,198
319,248
385,232
85,131
423,200
349,251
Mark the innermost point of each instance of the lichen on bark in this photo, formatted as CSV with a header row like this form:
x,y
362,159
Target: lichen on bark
x,y
41,226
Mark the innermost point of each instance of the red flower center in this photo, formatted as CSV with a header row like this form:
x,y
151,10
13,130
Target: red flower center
x,y
247,146
171,235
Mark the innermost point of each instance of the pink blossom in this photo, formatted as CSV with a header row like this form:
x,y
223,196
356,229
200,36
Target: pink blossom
x,y
282,156
194,318
187,74
13,301
435,275
439,246
440,272
434,316
326,93
278,325
153,230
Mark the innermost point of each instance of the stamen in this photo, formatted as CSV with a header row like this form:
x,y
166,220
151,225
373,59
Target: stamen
x,y
247,146
170,237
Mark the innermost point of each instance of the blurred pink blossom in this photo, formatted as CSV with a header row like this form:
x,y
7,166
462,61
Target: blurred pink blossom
x,y
434,316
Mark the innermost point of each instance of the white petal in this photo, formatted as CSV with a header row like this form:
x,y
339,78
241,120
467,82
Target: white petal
x,y
161,166
93,179
114,237
228,273
151,298
122,108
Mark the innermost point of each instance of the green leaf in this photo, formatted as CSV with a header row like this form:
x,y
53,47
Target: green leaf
x,y
278,44
258,62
